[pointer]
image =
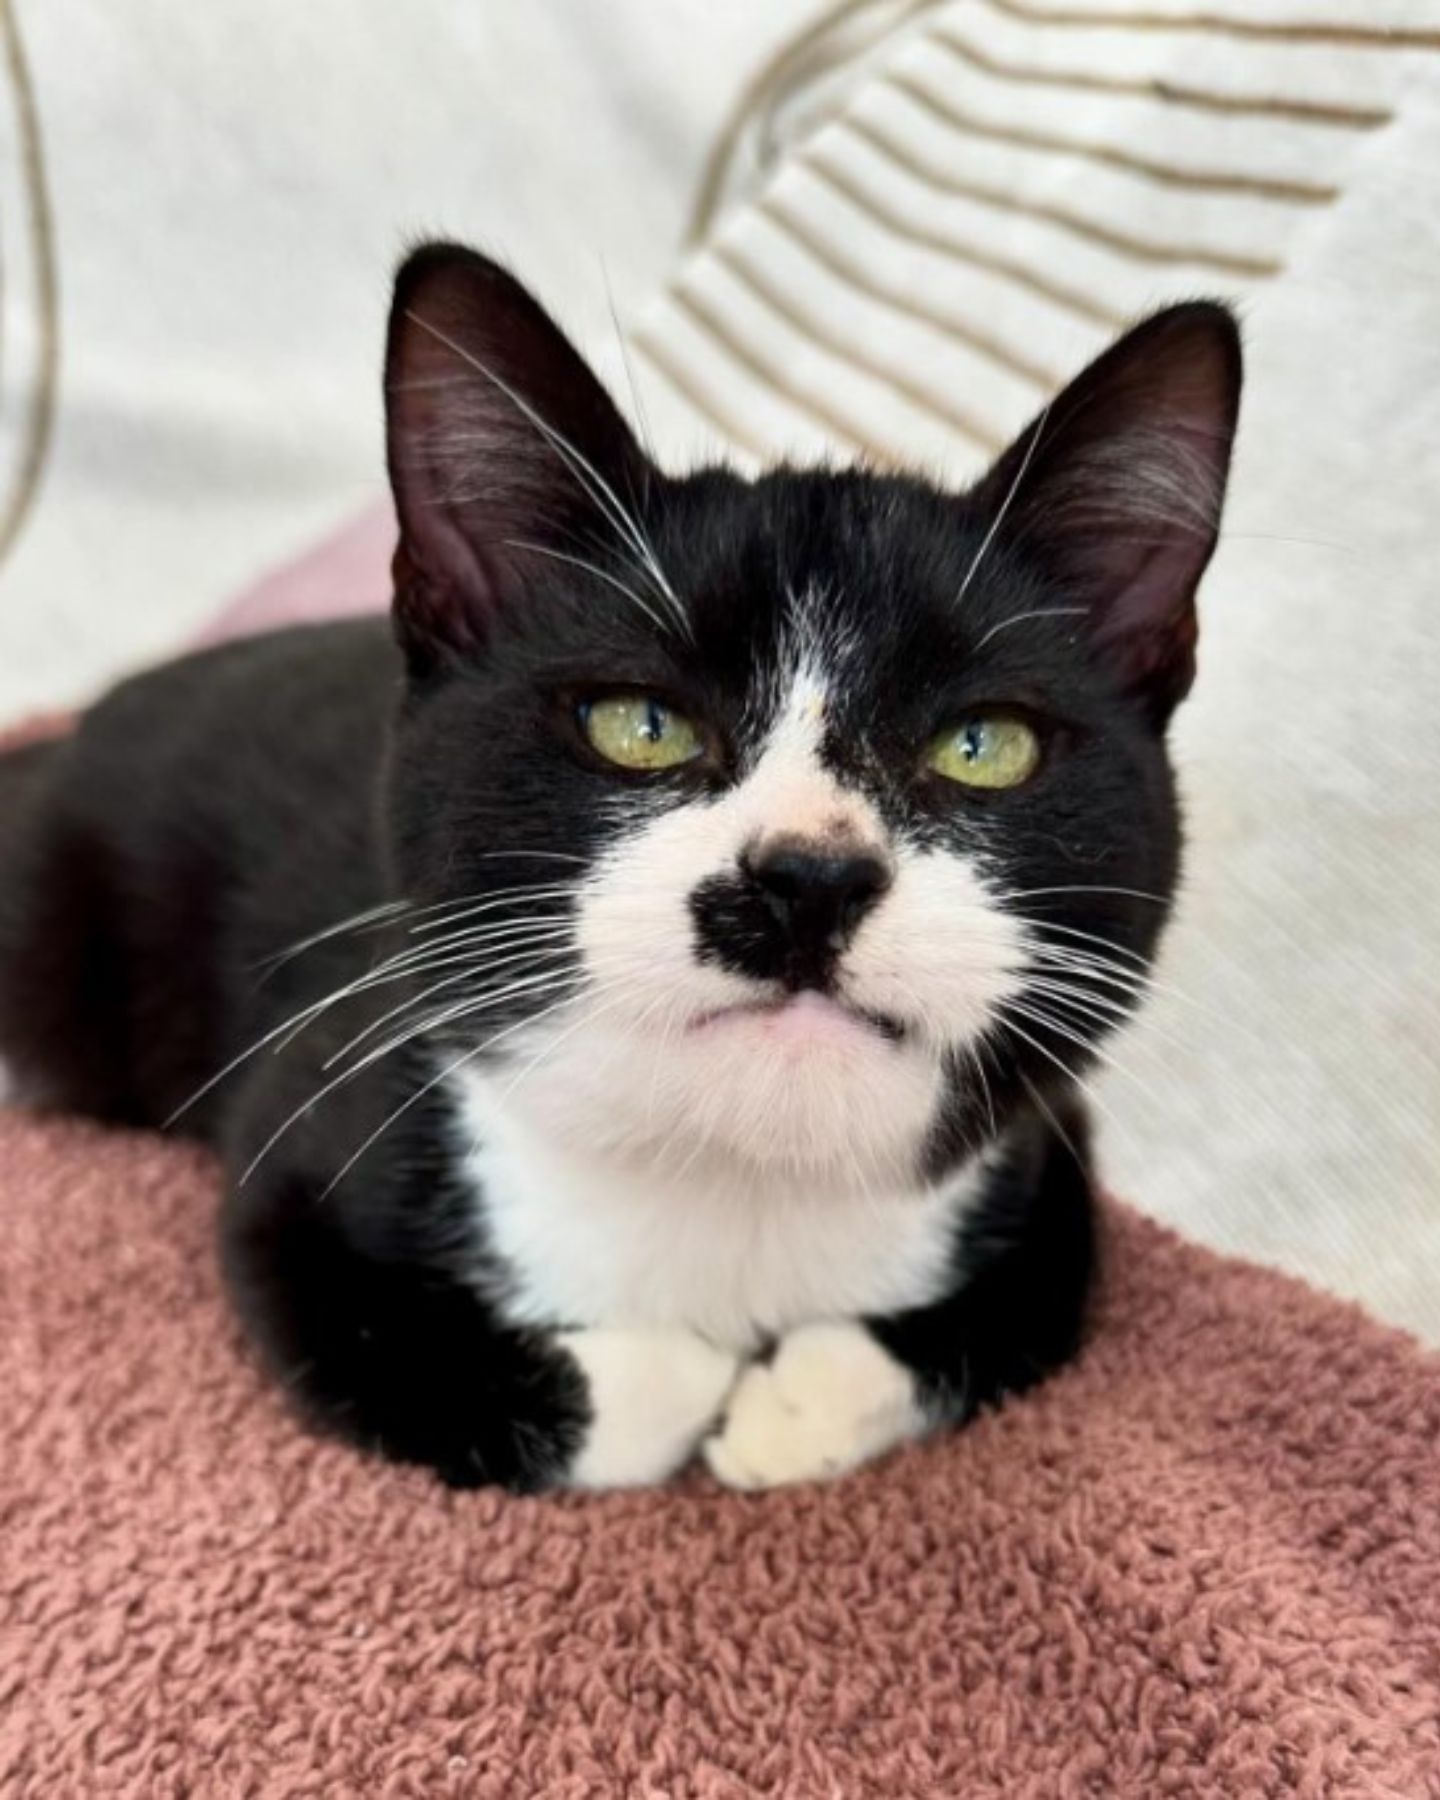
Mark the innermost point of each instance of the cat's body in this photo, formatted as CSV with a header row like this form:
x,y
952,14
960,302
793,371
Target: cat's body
x,y
642,1100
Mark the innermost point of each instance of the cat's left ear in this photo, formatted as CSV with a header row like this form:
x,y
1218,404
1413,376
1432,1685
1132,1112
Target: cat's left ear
x,y
1116,491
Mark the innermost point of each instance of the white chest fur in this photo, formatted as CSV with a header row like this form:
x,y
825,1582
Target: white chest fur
x,y
589,1244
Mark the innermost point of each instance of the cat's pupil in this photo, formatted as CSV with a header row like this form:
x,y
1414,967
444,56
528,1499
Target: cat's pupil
x,y
653,727
972,742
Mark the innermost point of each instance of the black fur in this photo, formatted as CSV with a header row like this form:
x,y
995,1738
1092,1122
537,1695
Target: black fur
x,y
155,869
1022,1268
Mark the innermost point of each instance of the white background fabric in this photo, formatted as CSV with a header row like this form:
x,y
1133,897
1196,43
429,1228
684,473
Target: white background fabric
x,y
231,188
230,191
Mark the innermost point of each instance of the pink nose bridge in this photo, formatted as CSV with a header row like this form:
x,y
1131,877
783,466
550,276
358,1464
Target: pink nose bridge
x,y
792,801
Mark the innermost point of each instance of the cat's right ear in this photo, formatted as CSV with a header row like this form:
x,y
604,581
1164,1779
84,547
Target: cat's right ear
x,y
499,437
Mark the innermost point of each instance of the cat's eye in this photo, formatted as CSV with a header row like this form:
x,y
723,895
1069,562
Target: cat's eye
x,y
639,731
988,751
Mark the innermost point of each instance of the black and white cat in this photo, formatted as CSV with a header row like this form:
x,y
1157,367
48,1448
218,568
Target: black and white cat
x,y
733,876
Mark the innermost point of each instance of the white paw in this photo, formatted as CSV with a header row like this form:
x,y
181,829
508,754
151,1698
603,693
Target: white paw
x,y
830,1398
653,1395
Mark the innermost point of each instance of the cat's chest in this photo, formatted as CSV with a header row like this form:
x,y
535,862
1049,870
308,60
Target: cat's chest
x,y
578,1245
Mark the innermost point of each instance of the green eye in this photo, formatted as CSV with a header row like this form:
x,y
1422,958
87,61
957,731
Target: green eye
x,y
637,731
986,752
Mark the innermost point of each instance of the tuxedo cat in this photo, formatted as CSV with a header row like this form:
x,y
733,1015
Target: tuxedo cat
x,y
639,995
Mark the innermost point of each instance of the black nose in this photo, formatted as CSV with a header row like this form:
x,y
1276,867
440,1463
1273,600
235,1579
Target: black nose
x,y
818,896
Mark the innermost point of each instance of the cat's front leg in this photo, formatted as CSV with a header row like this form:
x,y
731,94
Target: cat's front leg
x,y
401,1357
837,1393
651,1395
389,1345
830,1398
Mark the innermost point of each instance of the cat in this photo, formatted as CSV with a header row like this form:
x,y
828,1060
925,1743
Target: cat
x,y
640,996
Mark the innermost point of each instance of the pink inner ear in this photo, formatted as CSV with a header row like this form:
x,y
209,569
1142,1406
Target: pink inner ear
x,y
1150,628
499,436
1118,488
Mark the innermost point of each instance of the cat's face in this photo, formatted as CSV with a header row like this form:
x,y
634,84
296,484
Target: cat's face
x,y
800,827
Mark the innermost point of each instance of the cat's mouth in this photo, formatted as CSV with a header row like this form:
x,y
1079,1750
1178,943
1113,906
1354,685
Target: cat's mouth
x,y
803,1015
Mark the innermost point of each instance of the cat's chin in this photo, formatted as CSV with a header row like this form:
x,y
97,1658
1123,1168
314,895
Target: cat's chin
x,y
804,1091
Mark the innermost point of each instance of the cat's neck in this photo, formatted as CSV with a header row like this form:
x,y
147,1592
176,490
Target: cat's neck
x,y
736,1253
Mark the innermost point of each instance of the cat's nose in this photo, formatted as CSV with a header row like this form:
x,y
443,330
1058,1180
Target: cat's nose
x,y
818,895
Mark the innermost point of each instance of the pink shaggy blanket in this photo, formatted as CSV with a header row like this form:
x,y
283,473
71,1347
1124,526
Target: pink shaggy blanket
x,y
1203,1561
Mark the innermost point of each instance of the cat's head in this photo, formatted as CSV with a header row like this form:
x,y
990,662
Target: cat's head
x,y
806,824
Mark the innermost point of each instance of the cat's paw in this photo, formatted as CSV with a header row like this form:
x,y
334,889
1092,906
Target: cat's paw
x,y
830,1398
653,1394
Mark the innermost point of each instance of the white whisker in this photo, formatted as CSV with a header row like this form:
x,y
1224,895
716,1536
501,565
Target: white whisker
x,y
1086,887
584,471
1090,937
1106,975
388,909
1005,504
579,562
1070,1075
406,964
385,1049
642,423
1046,1021
412,1001
1060,1131
487,1000
440,951
393,967
492,902
434,1082
1038,612
1102,1007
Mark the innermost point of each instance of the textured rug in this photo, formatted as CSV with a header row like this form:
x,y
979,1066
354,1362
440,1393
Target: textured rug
x,y
1205,1560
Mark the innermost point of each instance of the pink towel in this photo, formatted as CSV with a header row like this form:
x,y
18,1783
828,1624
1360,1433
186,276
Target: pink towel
x,y
1203,1561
